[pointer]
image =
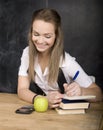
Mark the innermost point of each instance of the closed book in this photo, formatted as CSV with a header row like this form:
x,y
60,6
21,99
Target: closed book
x,y
74,104
70,111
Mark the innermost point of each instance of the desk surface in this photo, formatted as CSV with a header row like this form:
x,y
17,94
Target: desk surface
x,y
49,120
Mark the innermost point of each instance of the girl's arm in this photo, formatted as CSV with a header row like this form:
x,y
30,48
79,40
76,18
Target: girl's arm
x,y
23,89
93,89
74,89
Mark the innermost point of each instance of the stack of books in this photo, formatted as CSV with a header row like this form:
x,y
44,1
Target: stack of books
x,y
74,105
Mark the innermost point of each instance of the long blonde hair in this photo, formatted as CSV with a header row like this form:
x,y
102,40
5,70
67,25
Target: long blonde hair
x,y
57,50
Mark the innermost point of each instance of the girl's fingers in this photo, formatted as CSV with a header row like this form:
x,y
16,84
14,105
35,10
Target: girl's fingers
x,y
65,85
72,89
54,106
54,98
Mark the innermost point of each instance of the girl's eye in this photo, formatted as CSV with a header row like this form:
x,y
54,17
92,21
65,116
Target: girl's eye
x,y
47,36
36,34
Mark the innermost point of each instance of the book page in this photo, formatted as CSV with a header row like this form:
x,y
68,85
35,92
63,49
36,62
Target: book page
x,y
79,97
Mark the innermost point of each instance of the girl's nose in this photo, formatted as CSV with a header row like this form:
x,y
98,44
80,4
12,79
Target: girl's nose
x,y
40,39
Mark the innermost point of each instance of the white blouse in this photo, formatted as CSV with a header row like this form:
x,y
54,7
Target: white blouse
x,y
69,67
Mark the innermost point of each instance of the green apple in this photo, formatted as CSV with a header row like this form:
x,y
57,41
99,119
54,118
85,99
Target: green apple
x,y
40,104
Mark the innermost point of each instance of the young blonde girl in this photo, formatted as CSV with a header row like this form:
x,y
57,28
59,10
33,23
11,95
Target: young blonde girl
x,y
44,57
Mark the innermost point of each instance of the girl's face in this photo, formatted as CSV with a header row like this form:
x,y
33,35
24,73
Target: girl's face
x,y
43,35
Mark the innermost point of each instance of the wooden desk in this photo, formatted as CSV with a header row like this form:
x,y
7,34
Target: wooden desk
x,y
49,120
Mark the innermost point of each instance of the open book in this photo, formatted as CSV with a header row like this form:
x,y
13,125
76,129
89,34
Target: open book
x,y
86,97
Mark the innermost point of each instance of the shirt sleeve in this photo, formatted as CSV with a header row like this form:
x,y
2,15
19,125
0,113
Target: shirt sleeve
x,y
24,63
70,66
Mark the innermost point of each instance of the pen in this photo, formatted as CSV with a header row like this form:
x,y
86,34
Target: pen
x,y
76,75
74,78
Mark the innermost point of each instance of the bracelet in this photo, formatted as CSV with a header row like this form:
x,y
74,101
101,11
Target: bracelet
x,y
34,98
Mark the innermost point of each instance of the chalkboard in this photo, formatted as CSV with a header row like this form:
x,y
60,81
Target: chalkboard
x,y
83,35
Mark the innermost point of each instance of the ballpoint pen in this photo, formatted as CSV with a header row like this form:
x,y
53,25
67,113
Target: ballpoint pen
x,y
75,76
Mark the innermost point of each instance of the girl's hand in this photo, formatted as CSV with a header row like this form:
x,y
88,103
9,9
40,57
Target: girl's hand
x,y
72,89
54,98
